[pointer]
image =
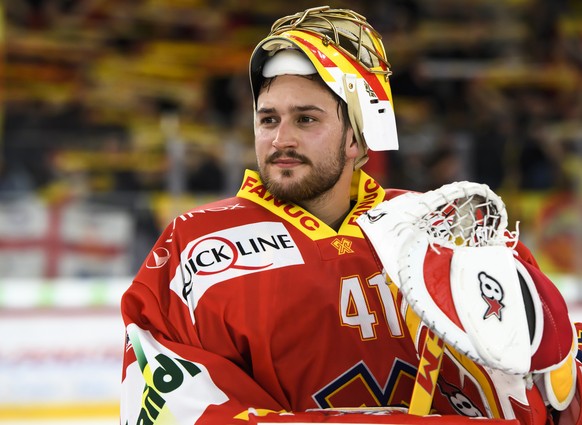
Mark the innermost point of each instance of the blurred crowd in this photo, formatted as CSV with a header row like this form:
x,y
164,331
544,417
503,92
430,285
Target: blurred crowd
x,y
144,105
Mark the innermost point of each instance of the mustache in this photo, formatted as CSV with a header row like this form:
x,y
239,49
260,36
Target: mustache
x,y
288,154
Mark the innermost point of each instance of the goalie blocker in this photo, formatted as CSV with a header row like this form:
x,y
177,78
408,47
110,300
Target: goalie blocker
x,y
456,264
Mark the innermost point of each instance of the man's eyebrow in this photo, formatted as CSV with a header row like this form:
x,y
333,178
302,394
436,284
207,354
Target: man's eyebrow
x,y
306,108
266,110
298,108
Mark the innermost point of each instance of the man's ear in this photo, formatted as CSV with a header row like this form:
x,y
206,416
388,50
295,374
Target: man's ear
x,y
352,147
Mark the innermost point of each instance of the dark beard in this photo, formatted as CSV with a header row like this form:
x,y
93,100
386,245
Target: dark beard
x,y
318,182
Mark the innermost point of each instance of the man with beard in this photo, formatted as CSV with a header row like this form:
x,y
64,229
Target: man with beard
x,y
271,306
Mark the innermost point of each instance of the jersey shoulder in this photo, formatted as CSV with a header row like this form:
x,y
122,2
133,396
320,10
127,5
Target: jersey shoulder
x,y
219,214
393,193
232,205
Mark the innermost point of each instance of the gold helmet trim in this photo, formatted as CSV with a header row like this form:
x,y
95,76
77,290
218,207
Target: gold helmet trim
x,y
321,20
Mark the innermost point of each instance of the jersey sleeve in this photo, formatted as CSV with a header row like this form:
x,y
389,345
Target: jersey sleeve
x,y
168,377
173,380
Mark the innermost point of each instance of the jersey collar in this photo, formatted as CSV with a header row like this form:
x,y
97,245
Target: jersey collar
x,y
365,191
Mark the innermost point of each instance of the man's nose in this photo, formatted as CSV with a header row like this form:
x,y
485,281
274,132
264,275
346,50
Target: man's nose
x,y
285,136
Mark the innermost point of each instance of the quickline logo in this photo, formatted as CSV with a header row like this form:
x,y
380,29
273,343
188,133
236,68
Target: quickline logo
x,y
232,253
217,254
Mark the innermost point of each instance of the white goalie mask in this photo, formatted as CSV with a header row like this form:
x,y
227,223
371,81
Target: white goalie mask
x,y
348,54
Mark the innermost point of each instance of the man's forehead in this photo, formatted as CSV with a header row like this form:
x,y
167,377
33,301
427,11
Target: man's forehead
x,y
291,108
297,89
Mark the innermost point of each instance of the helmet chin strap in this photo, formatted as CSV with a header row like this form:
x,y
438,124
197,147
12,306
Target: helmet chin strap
x,y
355,115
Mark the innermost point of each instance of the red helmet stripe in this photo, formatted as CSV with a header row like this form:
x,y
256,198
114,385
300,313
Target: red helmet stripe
x,y
371,78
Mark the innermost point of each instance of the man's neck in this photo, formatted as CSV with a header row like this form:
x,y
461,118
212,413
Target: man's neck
x,y
333,206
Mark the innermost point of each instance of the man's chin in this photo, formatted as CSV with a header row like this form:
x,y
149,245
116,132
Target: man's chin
x,y
286,175
284,189
285,184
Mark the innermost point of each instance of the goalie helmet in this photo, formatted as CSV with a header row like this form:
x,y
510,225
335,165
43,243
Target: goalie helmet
x,y
348,54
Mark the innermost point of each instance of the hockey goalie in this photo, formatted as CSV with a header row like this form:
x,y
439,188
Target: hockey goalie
x,y
314,295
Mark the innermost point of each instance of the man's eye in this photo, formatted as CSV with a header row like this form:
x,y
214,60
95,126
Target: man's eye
x,y
306,119
268,120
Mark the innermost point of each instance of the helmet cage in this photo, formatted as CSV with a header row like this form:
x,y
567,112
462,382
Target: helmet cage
x,y
324,21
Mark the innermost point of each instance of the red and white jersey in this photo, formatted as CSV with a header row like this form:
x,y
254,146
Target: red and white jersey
x,y
250,308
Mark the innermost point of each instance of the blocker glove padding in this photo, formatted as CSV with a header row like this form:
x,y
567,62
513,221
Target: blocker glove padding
x,y
452,257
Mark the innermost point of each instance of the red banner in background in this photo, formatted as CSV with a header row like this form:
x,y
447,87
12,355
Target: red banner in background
x,y
63,239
